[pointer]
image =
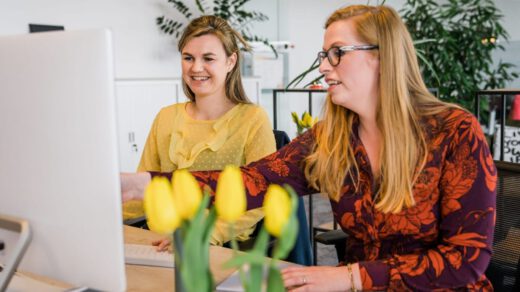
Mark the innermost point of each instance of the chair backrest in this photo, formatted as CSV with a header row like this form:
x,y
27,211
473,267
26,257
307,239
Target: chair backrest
x,y
504,268
281,139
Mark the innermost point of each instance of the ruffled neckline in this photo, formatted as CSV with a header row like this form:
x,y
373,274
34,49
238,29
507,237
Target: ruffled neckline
x,y
180,154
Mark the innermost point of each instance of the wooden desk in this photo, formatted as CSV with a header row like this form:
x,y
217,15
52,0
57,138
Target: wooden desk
x,y
143,278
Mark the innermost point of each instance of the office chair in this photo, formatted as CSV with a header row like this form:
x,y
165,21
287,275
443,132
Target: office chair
x,y
504,269
330,235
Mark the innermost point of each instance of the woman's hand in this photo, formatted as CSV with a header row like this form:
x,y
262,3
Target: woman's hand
x,y
163,244
316,279
133,185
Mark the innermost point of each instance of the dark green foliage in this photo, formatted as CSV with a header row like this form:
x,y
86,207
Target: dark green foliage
x,y
454,48
460,60
230,10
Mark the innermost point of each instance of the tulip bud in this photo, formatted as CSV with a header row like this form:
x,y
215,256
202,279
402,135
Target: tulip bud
x,y
307,120
230,200
295,117
159,206
186,193
277,208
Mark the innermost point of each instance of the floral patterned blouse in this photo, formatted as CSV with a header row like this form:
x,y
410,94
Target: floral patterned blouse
x,y
442,243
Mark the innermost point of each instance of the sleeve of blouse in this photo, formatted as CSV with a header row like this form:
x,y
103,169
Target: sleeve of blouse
x,y
467,212
282,167
260,141
150,157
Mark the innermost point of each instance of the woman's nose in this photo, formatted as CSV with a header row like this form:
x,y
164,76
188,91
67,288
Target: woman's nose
x,y
197,66
325,66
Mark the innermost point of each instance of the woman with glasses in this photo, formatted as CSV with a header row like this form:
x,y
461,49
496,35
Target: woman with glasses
x,y
410,178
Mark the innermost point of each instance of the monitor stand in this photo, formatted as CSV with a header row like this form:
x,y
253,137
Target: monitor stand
x,y
15,236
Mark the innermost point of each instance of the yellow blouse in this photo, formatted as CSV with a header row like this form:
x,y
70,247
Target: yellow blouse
x,y
176,141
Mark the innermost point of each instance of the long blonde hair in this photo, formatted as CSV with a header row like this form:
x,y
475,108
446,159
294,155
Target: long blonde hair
x,y
210,24
403,101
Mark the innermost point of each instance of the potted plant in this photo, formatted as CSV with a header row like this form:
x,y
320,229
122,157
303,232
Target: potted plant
x,y
466,33
454,43
231,10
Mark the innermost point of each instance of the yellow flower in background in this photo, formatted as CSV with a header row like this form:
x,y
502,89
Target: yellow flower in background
x,y
295,118
306,121
230,197
159,206
186,193
277,208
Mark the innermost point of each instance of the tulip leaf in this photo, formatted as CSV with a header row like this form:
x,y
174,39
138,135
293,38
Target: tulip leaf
x,y
210,219
287,239
179,256
294,117
196,249
255,277
274,280
256,270
289,233
261,241
249,258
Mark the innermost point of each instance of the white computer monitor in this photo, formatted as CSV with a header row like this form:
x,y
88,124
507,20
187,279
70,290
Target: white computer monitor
x,y
58,154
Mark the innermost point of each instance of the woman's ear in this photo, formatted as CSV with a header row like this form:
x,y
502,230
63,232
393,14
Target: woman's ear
x,y
231,62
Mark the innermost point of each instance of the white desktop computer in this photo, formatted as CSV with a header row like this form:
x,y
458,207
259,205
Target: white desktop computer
x,y
58,155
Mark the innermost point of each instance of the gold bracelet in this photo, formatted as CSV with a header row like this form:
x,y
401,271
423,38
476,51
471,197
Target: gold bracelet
x,y
351,275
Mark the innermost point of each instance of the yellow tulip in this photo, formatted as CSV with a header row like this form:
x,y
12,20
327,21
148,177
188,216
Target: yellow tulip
x,y
230,197
307,120
186,193
277,208
295,117
159,206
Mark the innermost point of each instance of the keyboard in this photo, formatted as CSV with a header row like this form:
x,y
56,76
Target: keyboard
x,y
147,255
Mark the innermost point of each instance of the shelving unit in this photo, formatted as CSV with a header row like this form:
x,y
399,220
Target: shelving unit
x,y
502,94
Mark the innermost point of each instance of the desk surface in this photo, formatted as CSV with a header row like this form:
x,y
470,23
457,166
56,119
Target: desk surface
x,y
144,278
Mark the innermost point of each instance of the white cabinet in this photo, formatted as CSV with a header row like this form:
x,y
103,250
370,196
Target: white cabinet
x,y
138,102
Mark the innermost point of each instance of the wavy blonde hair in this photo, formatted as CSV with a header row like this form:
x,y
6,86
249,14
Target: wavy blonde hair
x,y
403,101
210,24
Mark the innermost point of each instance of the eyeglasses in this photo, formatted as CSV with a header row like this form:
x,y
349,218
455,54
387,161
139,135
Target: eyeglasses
x,y
334,53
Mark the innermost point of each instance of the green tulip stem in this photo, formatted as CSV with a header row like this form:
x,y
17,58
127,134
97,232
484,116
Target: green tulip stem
x,y
234,246
178,251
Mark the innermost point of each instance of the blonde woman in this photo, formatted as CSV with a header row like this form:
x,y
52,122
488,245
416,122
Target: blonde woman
x,y
217,127
410,178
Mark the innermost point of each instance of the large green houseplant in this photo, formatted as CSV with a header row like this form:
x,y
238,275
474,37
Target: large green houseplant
x,y
466,33
454,43
231,10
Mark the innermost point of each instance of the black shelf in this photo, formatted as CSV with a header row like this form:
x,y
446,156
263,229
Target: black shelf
x,y
502,93
275,98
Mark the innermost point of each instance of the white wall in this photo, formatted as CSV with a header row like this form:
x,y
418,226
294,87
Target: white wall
x,y
304,20
144,52
511,22
141,51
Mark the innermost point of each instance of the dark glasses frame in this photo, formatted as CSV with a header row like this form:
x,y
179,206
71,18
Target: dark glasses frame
x,y
341,51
